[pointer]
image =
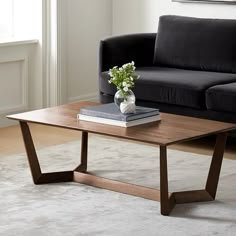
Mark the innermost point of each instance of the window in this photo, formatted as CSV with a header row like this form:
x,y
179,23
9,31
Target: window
x,y
6,18
20,19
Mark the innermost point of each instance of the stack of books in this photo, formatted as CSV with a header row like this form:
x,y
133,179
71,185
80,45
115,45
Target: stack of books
x,y
110,114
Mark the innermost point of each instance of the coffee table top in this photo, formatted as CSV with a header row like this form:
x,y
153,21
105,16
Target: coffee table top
x,y
170,130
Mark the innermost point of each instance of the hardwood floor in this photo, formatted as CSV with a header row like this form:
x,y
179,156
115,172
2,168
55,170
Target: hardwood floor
x,y
11,141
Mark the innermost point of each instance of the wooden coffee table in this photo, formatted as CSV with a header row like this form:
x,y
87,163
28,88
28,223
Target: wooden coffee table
x,y
172,129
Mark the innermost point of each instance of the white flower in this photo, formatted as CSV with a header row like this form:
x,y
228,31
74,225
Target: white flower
x,y
123,77
126,89
125,65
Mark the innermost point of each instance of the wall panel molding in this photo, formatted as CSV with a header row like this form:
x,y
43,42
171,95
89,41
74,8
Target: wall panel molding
x,y
23,103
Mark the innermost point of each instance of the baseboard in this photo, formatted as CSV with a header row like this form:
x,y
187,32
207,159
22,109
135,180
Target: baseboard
x,y
86,97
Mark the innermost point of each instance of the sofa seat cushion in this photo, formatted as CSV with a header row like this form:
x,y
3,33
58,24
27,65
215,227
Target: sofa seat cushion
x,y
172,86
222,97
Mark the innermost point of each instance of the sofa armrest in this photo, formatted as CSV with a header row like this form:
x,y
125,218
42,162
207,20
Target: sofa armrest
x,y
118,50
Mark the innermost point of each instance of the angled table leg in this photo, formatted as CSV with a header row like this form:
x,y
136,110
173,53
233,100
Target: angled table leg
x,y
31,153
207,194
214,172
84,153
37,175
167,200
167,203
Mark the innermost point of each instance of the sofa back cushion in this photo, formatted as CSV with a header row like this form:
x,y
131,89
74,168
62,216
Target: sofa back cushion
x,y
196,43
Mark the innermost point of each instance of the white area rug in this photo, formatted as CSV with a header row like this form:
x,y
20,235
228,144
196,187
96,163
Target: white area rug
x,y
75,209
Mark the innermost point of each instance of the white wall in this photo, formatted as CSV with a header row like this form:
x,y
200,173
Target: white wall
x,y
82,24
21,62
135,16
87,22
20,88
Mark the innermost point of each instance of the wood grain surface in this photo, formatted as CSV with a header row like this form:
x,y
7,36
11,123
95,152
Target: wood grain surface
x,y
171,129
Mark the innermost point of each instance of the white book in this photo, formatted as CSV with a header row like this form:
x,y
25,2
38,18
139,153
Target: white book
x,y
118,122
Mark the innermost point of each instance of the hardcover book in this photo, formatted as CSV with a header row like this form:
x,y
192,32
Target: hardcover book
x,y
118,122
111,111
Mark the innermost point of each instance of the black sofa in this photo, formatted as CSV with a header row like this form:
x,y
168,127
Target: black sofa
x,y
187,68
